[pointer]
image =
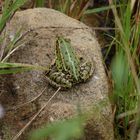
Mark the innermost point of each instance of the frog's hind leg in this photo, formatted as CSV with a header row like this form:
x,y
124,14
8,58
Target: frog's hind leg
x,y
86,70
58,79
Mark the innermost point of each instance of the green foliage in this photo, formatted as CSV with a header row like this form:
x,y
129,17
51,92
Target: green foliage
x,y
10,6
11,47
96,10
9,68
61,130
39,3
8,10
124,94
77,8
125,68
71,8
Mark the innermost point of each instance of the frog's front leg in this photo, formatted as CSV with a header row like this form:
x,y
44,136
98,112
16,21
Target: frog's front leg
x,y
59,79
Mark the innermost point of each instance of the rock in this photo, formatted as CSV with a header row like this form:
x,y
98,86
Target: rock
x,y
138,136
37,48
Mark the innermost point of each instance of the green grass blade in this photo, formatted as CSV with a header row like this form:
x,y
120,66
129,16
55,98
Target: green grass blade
x,y
13,41
65,6
9,10
13,70
101,9
96,10
40,3
126,23
9,68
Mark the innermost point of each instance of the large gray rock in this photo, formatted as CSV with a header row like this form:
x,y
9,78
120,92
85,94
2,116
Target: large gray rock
x,y
38,48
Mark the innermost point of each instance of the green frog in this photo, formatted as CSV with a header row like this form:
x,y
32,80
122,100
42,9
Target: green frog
x,y
68,69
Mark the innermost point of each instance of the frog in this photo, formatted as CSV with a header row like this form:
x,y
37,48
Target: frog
x,y
68,68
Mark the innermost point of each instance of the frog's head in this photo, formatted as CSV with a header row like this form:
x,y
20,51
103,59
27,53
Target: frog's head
x,y
61,40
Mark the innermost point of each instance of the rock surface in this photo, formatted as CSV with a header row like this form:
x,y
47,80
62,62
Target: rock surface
x,y
38,48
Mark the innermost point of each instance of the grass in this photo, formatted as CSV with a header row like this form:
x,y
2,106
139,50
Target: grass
x,y
39,3
71,8
125,66
6,50
8,11
125,71
9,8
60,130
